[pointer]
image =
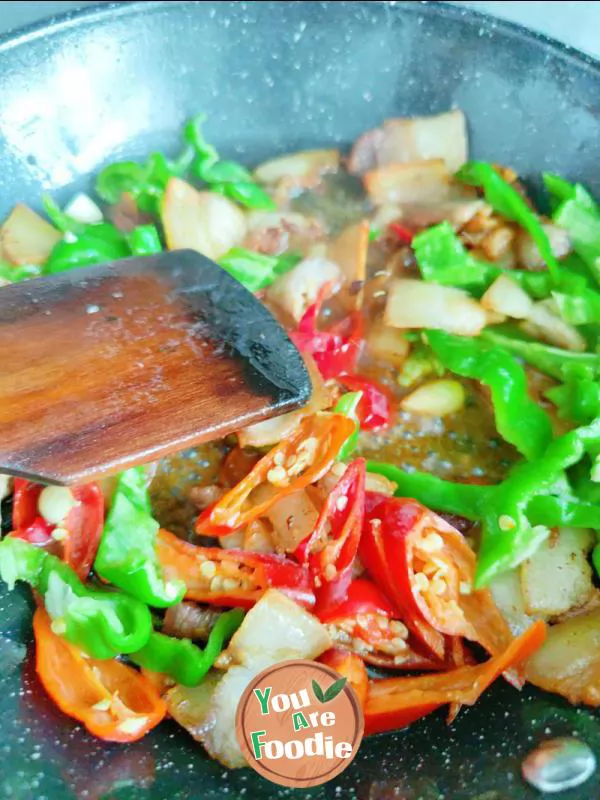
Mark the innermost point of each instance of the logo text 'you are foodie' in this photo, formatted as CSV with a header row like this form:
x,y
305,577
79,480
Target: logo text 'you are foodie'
x,y
299,724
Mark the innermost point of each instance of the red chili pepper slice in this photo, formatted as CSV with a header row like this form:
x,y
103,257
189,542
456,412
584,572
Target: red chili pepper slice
x,y
375,408
83,524
297,461
25,503
397,702
114,701
384,522
332,547
231,577
38,532
335,351
401,232
427,569
365,622
362,597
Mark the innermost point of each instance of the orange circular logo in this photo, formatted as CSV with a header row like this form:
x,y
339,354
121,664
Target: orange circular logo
x,y
299,723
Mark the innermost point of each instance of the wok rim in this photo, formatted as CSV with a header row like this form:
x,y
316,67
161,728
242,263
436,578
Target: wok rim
x,y
88,15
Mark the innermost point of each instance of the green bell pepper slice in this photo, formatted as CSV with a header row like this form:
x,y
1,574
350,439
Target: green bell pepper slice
x,y
550,360
181,659
505,199
127,554
104,624
256,271
348,405
516,514
519,419
144,240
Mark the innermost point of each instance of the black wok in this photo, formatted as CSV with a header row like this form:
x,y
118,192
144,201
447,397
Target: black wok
x,y
276,76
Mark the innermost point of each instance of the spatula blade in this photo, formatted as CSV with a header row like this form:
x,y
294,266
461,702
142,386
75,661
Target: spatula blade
x,y
122,363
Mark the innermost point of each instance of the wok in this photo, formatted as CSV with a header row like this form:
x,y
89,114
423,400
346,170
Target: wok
x,y
273,77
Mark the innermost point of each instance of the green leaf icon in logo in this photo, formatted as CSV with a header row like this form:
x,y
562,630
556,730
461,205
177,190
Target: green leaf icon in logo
x,y
329,694
318,692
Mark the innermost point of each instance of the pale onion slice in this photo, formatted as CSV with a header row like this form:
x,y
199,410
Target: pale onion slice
x,y
545,323
298,289
568,663
507,592
387,343
415,304
349,252
26,238
276,629
201,221
435,399
298,166
558,577
293,518
271,431
442,136
494,318
232,541
417,182
258,537
82,208
527,250
505,296
380,484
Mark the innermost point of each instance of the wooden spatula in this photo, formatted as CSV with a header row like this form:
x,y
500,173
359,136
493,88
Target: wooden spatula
x,y
115,365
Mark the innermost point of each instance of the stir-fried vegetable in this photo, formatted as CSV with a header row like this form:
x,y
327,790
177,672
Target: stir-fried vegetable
x,y
578,213
551,360
505,199
230,577
348,406
332,546
296,462
256,271
127,554
349,666
511,511
182,660
396,702
362,620
112,700
450,332
428,570
103,624
71,517
518,418
335,351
